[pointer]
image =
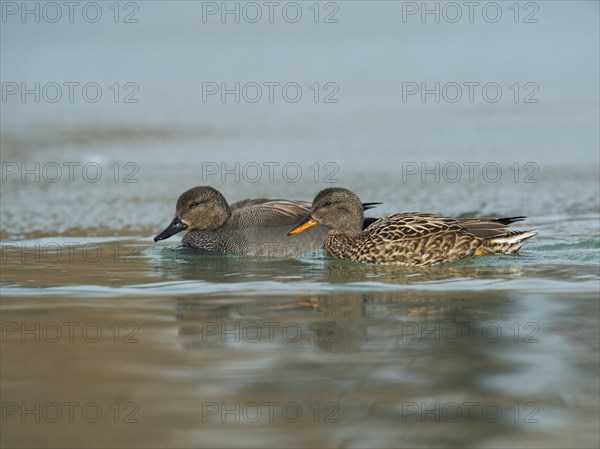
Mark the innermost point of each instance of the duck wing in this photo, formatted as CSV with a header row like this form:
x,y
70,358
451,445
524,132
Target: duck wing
x,y
489,227
262,212
412,225
415,225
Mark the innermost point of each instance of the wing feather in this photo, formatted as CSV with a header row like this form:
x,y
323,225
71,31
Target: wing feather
x,y
262,212
416,225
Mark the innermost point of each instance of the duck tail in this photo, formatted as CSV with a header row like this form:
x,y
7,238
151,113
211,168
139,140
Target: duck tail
x,y
508,243
510,220
367,206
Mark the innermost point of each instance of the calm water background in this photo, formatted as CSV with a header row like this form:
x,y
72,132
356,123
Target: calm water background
x,y
152,346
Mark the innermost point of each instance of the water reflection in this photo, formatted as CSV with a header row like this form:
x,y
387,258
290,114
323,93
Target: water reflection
x,y
181,263
410,358
460,365
137,263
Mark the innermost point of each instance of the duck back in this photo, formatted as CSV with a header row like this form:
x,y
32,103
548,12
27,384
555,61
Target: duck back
x,y
259,227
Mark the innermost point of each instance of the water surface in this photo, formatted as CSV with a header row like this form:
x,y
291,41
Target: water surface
x,y
110,340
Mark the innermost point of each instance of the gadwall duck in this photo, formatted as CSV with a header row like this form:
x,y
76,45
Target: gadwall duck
x,y
256,227
411,239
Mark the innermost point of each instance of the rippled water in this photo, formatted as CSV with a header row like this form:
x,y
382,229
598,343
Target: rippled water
x,y
229,351
112,340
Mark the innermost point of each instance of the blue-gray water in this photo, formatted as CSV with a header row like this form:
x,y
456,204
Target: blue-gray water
x,y
111,340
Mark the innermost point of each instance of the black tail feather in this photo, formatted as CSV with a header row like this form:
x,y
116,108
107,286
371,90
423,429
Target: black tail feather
x,y
367,206
509,220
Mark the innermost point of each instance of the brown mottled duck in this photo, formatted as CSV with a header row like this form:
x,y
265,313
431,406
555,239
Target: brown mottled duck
x,y
409,239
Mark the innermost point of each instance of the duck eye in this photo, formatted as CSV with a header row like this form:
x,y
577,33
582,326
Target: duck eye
x,y
193,204
327,204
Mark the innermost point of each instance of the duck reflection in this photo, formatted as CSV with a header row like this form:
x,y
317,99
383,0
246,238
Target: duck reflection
x,y
440,324
422,314
328,322
377,339
345,272
186,264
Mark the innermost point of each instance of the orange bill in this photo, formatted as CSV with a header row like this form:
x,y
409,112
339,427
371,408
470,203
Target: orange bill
x,y
307,223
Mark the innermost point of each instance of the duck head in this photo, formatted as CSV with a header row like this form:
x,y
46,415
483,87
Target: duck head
x,y
199,208
338,209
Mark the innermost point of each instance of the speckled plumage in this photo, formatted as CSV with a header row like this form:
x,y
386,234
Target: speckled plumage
x,y
256,227
409,239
